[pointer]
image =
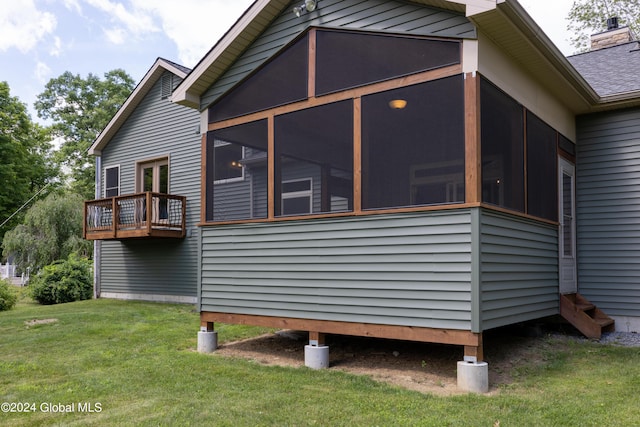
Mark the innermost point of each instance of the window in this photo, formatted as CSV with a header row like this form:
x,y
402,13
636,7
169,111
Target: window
x,y
347,151
502,135
297,197
280,81
414,155
153,176
237,162
504,181
348,59
542,188
317,142
227,160
112,181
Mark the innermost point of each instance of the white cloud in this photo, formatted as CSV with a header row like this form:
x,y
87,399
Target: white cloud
x,y
23,25
194,25
56,49
127,22
115,35
42,72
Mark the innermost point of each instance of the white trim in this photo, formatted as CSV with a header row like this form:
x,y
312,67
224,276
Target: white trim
x,y
181,299
147,82
240,178
104,170
181,94
297,194
156,159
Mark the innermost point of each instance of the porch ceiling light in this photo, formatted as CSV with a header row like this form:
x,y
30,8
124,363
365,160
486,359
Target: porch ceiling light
x,y
398,104
308,6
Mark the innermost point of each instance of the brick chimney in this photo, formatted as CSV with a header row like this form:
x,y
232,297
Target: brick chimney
x,y
612,37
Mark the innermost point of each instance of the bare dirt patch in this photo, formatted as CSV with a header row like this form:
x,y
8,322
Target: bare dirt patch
x,y
35,322
423,367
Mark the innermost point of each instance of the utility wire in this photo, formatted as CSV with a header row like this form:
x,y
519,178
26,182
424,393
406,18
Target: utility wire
x,y
25,204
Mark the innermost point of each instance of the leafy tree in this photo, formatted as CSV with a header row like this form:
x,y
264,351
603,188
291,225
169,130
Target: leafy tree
x,y
52,230
589,17
26,164
80,109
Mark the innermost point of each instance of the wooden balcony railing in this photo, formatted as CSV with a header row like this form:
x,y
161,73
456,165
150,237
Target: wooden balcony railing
x,y
135,216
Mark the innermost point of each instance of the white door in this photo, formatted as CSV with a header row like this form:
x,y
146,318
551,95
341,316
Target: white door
x,y
567,237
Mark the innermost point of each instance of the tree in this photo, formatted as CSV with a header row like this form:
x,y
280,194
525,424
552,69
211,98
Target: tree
x,y
80,109
26,164
589,17
52,230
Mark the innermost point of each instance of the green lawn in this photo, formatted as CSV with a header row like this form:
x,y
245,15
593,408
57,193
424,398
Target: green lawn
x,y
134,363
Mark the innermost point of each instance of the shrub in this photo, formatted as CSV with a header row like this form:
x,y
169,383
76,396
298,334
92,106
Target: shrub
x,y
63,281
8,296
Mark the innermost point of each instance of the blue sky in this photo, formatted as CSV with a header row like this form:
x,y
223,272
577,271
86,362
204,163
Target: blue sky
x,y
41,39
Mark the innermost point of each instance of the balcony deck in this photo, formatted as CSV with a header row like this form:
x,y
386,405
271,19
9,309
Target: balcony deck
x,y
126,217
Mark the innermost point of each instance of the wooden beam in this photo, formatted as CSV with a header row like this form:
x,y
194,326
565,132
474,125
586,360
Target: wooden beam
x,y
311,89
357,155
203,178
473,169
317,337
426,76
271,169
407,333
475,351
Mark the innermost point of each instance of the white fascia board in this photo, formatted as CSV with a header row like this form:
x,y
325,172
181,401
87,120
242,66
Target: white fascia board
x,y
131,103
182,95
474,7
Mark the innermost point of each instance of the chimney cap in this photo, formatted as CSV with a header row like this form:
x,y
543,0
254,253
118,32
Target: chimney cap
x,y
612,23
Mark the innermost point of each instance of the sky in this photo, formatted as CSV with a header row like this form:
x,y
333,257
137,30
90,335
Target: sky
x,y
41,39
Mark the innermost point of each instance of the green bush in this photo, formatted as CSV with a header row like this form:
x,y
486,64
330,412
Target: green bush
x,y
63,281
8,295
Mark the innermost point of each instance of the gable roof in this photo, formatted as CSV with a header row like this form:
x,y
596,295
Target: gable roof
x,y
505,22
133,100
611,70
250,26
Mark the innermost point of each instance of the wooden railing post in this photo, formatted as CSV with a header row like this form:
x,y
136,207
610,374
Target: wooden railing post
x,y
150,211
184,216
115,209
85,218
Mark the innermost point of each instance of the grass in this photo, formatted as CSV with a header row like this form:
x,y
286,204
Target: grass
x,y
135,363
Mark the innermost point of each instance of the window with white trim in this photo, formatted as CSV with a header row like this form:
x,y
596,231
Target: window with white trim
x,y
297,197
112,181
227,158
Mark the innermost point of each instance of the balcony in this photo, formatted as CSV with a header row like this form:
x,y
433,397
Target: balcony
x,y
135,216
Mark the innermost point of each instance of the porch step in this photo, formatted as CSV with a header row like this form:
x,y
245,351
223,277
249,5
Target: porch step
x,y
585,316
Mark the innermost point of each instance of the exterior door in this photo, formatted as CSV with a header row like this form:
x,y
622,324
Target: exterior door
x,y
567,237
154,176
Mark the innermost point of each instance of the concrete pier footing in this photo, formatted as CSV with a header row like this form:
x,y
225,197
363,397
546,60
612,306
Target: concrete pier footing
x,y
207,341
473,376
316,356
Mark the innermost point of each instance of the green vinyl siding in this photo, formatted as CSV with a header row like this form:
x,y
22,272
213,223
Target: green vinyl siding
x,y
156,266
406,269
372,15
608,210
518,270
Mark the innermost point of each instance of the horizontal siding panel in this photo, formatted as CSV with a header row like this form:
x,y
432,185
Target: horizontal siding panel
x,y
518,269
343,269
608,210
156,128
